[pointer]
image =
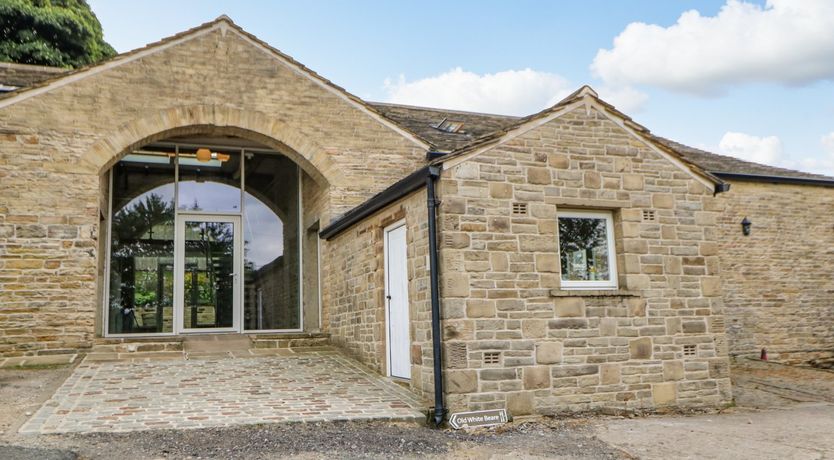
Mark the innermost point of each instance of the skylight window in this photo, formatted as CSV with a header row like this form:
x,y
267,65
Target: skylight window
x,y
449,126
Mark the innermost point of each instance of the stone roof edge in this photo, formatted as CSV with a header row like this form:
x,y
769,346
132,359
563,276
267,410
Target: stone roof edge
x,y
222,22
39,68
329,85
116,61
586,96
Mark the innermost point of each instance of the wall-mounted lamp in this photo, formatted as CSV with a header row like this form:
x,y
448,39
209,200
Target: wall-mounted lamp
x,y
745,226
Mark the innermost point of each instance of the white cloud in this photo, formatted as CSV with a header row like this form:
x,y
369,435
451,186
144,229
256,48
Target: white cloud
x,y
767,150
827,142
510,92
825,163
786,41
624,98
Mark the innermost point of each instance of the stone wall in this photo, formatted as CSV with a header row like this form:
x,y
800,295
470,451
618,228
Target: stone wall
x,y
778,282
55,145
354,302
514,339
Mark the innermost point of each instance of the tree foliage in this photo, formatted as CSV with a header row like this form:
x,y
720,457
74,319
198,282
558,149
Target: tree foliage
x,y
59,33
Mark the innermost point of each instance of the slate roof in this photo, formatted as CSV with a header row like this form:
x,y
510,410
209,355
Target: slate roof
x,y
481,128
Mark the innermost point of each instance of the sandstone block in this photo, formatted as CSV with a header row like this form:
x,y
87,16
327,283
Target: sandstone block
x,y
500,190
520,403
558,161
476,308
456,285
632,181
609,374
672,370
547,263
640,348
664,393
608,327
636,306
710,286
663,201
694,327
538,176
569,307
461,381
536,377
533,328
549,352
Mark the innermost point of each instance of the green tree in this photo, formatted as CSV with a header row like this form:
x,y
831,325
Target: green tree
x,y
59,33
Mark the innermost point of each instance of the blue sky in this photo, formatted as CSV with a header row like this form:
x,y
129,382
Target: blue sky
x,y
752,79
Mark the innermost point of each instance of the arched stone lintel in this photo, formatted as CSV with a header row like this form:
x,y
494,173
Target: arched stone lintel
x,y
212,119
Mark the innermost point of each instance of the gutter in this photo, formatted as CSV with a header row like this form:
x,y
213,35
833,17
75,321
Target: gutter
x,y
775,179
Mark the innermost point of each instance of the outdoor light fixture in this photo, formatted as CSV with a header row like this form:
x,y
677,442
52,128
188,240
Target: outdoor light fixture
x,y
204,155
745,226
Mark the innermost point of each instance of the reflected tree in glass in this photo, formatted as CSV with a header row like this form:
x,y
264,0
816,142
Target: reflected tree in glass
x,y
583,249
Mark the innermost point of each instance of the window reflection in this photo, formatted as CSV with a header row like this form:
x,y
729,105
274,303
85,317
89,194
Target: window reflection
x,y
142,246
584,249
271,256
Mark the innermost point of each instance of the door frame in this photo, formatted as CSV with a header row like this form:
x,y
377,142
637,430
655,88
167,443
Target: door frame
x,y
387,305
179,273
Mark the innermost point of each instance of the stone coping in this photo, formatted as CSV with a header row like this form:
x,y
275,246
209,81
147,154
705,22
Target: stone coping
x,y
37,361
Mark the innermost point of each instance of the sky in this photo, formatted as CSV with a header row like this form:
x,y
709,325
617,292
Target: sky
x,y
751,79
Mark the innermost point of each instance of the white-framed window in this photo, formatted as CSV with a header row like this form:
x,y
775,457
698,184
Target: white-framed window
x,y
586,250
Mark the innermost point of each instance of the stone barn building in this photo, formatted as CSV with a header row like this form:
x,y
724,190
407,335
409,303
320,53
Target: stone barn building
x,y
564,261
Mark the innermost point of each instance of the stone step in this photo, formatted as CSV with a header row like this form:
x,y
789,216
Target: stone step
x,y
216,343
290,341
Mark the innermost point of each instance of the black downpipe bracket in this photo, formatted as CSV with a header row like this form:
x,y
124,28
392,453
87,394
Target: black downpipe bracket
x,y
439,410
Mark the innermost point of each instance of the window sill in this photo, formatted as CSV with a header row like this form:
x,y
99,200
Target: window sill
x,y
593,293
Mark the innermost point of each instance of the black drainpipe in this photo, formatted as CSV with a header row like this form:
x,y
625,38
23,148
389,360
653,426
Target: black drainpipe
x,y
439,410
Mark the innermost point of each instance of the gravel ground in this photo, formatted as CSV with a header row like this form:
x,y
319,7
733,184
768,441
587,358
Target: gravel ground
x,y
349,440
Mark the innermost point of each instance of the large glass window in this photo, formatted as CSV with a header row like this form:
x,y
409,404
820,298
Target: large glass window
x,y
163,186
142,245
271,255
586,250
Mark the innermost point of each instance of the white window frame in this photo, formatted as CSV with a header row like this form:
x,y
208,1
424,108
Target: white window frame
x,y
612,283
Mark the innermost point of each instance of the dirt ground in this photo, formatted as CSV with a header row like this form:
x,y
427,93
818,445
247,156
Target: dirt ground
x,y
782,412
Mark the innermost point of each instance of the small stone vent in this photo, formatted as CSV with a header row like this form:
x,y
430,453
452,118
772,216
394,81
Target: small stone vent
x,y
519,209
492,357
649,215
717,324
690,350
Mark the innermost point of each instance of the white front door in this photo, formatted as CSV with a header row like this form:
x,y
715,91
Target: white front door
x,y
396,295
207,277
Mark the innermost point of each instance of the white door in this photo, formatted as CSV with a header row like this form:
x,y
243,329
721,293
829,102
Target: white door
x,y
207,273
396,295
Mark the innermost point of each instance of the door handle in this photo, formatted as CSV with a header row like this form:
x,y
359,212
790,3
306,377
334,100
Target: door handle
x,y
388,297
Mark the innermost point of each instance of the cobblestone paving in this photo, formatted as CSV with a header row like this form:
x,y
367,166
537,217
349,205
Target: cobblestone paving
x,y
128,396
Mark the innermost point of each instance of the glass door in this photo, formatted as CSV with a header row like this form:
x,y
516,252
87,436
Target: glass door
x,y
208,273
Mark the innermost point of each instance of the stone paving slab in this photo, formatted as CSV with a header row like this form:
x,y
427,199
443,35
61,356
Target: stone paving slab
x,y
119,396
